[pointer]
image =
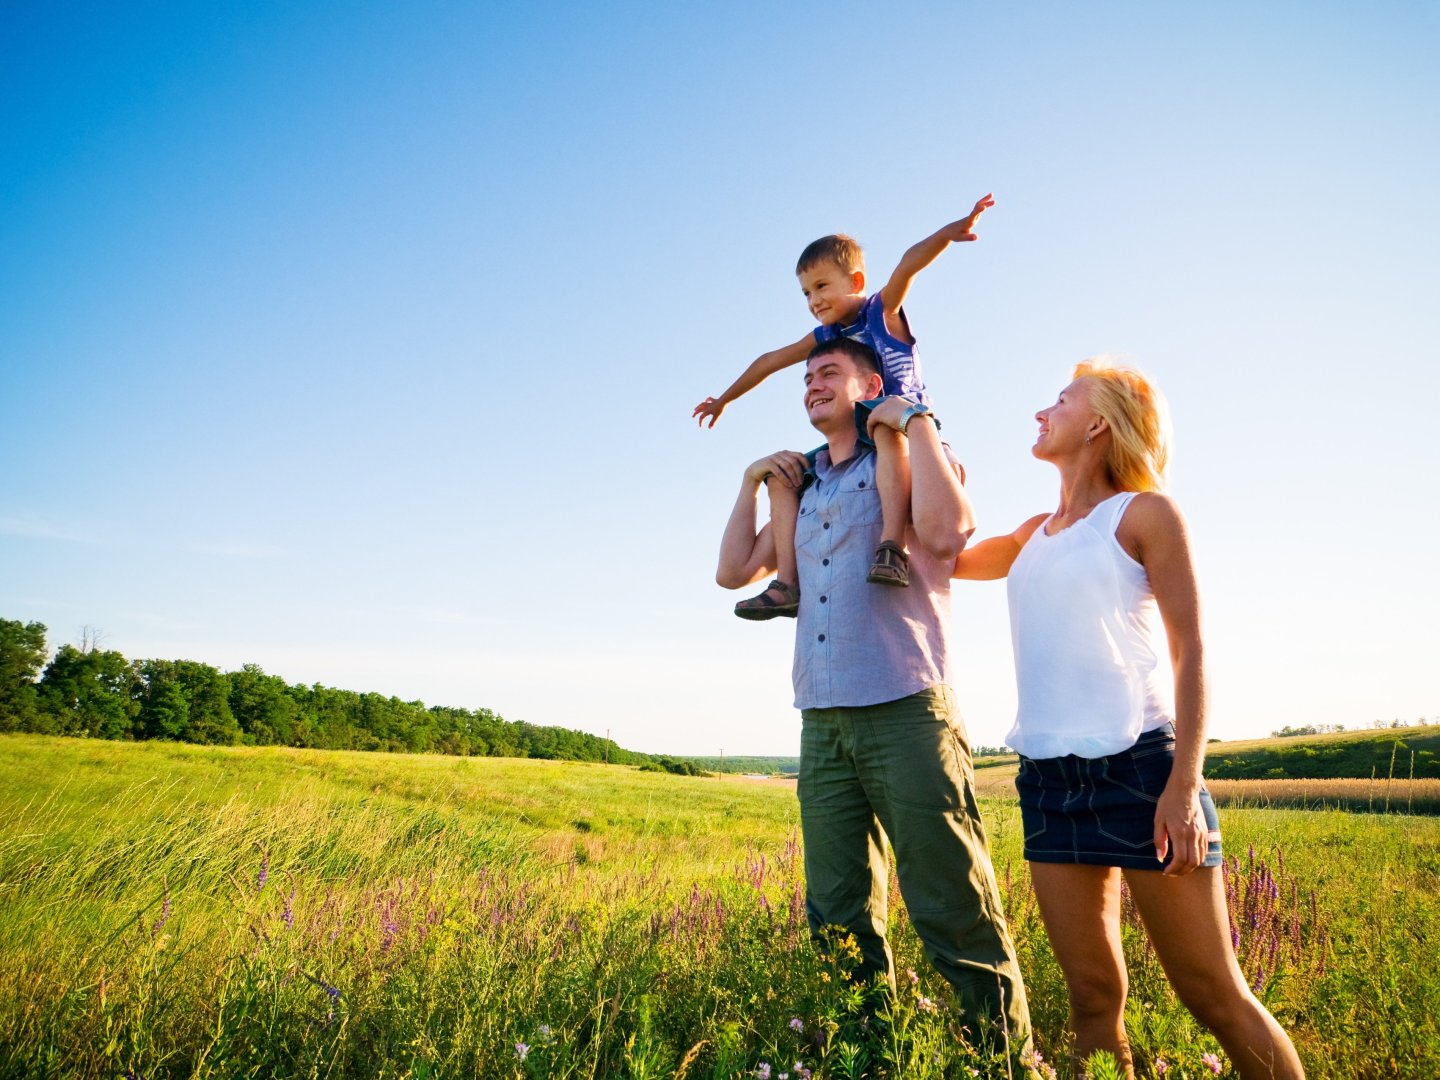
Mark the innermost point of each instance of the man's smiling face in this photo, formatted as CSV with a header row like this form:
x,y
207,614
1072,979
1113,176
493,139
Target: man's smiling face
x,y
834,382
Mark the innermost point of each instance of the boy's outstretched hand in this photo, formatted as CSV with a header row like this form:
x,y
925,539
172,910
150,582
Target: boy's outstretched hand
x,y
964,229
711,407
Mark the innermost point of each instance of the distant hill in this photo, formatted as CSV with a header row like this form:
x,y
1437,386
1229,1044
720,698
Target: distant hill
x,y
763,766
1353,754
985,756
1345,754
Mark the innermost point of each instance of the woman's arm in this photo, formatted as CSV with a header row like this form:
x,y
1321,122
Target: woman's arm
x,y
1153,532
992,558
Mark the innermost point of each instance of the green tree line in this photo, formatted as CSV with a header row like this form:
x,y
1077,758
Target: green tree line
x,y
97,693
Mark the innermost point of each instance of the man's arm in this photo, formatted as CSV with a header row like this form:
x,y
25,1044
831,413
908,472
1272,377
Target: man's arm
x,y
748,554
925,252
761,368
940,509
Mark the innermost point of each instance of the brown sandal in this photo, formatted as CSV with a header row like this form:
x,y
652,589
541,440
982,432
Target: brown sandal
x,y
765,606
891,567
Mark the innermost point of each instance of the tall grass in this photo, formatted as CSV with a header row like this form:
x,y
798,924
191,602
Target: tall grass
x,y
175,911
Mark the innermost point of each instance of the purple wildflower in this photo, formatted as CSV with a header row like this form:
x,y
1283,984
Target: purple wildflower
x,y
1161,1066
289,913
796,1024
521,1050
1211,1062
164,915
264,872
762,1071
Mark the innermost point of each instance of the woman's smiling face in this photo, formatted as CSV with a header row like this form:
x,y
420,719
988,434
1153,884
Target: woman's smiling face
x,y
1063,425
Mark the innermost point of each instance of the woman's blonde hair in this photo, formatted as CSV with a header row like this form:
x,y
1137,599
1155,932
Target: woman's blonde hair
x,y
1139,423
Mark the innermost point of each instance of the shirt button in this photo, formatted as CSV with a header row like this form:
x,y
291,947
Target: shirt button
x,y
822,599
862,483
822,637
824,562
825,526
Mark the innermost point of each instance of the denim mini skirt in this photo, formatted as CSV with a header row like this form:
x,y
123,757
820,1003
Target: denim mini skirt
x,y
1101,811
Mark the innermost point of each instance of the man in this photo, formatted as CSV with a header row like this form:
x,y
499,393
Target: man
x,y
882,750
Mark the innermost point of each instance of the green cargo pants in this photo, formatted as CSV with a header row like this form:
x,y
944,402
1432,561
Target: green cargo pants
x,y
902,770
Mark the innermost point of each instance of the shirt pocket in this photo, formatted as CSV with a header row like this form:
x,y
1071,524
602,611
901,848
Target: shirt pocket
x,y
858,501
807,523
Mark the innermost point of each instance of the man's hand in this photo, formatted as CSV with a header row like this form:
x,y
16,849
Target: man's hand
x,y
888,413
785,465
711,407
964,229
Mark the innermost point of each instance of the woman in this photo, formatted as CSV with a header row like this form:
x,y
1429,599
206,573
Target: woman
x,y
1110,758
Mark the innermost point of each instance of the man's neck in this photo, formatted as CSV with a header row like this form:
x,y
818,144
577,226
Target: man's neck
x,y
842,444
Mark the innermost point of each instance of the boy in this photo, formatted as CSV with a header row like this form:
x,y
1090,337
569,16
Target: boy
x,y
831,272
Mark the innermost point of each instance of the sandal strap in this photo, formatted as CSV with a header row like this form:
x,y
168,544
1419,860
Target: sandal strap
x,y
890,553
789,591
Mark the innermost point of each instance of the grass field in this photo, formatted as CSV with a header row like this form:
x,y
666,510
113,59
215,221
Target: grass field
x,y
173,910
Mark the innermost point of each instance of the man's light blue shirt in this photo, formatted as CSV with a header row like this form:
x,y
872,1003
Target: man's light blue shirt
x,y
858,643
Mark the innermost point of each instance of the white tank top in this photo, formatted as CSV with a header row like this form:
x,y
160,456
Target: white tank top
x,y
1083,624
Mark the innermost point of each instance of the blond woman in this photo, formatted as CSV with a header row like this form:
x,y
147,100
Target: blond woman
x,y
1110,753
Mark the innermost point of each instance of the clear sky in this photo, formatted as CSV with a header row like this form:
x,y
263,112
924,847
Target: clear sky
x,y
359,341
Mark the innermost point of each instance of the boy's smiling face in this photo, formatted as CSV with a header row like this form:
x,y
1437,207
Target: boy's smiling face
x,y
834,296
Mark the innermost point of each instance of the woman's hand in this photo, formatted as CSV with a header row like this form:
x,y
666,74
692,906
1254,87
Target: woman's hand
x,y
1180,825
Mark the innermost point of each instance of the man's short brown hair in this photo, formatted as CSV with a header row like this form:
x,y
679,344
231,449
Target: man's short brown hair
x,y
864,357
844,251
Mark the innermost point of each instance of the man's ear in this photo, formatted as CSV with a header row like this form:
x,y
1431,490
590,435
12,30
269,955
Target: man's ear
x,y
875,384
857,281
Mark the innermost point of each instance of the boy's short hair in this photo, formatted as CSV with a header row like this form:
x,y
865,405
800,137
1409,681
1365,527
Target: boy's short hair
x,y
865,358
844,251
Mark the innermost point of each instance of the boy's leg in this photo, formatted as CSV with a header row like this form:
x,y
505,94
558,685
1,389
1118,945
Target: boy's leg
x,y
892,477
782,596
784,510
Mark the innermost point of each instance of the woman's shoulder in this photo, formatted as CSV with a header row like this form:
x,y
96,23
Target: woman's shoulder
x,y
1150,516
1154,508
1027,528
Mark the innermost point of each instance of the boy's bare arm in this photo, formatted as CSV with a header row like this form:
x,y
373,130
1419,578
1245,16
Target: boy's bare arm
x,y
926,251
761,368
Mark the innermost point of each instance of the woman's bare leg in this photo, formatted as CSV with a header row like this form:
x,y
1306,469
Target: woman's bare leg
x,y
1186,919
1081,909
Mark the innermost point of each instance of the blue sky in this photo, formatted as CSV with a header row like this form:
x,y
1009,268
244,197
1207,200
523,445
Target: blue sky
x,y
359,341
